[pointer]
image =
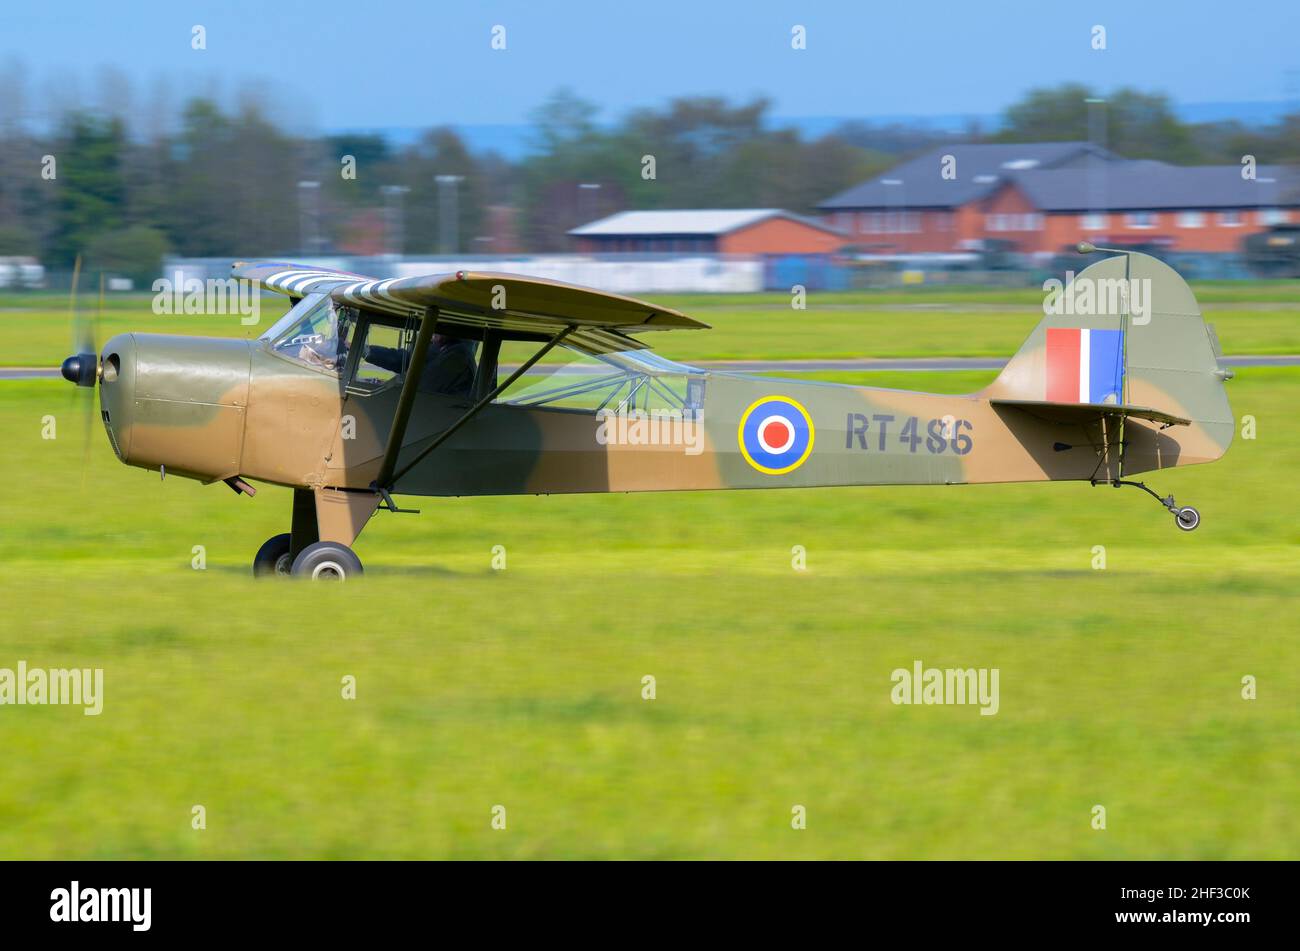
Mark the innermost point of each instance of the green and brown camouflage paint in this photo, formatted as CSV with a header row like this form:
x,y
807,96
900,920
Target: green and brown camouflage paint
x,y
212,409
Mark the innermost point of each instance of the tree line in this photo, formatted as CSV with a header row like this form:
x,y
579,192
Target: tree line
x,y
231,182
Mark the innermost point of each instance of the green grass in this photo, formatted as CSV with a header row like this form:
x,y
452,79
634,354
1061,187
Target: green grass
x,y
522,687
39,332
1251,318
1272,291
829,331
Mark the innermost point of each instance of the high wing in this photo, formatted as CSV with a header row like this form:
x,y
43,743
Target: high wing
x,y
476,301
1082,412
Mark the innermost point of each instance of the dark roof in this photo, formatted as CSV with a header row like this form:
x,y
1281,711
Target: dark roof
x,y
1150,185
981,168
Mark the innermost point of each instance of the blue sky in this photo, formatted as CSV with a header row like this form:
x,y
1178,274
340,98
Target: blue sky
x,y
382,63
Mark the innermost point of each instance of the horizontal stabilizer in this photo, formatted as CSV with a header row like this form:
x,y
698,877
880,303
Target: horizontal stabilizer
x,y
1075,412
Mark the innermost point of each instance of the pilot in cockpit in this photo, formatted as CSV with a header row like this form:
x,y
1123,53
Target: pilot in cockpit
x,y
449,365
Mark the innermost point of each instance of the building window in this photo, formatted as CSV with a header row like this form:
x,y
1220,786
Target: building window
x,y
1191,219
1140,219
1095,222
1027,222
1273,216
1230,219
871,222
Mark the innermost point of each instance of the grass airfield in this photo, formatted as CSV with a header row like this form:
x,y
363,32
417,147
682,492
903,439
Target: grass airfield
x,y
1261,318
523,687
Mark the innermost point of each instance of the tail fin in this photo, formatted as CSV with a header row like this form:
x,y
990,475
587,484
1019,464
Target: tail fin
x,y
1125,337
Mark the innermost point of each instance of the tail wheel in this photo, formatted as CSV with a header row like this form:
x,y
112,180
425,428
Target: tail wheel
x,y
326,561
273,559
1187,518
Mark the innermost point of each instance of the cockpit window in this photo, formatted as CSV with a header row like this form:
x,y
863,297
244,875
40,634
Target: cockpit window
x,y
291,317
315,332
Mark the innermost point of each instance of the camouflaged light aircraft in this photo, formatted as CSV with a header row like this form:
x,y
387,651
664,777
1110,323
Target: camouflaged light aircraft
x,y
348,401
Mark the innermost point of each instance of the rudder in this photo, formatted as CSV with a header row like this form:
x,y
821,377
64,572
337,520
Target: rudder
x,y
1128,330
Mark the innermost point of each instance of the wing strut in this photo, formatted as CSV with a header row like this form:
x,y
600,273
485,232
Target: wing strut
x,y
384,486
406,399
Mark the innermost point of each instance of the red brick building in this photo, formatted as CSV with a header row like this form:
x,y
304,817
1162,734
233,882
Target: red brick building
x,y
1208,208
756,231
1045,197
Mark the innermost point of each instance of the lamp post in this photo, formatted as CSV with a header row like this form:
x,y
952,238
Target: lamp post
x,y
1087,247
448,213
1096,164
309,217
900,207
394,223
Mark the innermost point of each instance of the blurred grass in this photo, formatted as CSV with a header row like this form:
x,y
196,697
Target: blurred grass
x,y
522,687
1252,318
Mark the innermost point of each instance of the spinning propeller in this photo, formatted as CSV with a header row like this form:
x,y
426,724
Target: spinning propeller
x,y
82,368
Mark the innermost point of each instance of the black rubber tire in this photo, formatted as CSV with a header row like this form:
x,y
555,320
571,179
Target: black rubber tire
x,y
272,560
1187,518
330,561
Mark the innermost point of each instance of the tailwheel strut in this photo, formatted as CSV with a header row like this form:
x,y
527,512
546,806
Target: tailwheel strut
x,y
1185,517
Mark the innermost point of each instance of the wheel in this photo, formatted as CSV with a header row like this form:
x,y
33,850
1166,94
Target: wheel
x,y
326,561
273,559
1187,518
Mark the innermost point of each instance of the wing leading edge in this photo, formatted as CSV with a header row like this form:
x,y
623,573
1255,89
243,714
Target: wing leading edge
x,y
485,300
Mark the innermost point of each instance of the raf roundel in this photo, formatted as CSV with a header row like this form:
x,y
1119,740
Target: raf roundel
x,y
775,435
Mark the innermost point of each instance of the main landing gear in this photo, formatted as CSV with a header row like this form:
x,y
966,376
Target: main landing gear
x,y
1185,517
274,557
326,561
319,561
302,553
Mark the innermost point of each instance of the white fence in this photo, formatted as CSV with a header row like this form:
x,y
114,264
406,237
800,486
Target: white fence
x,y
704,274
618,274
21,274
